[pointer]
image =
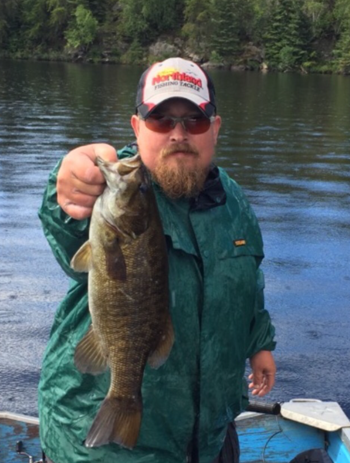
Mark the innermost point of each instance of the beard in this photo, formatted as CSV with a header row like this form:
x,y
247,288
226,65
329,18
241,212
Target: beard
x,y
181,178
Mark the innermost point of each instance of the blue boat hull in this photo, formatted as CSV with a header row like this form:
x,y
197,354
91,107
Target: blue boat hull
x,y
18,428
273,439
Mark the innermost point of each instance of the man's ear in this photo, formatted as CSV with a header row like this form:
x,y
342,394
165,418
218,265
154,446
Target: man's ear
x,y
217,125
135,124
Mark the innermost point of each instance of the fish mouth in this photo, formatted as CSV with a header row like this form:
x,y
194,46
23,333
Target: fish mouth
x,y
133,162
123,167
126,166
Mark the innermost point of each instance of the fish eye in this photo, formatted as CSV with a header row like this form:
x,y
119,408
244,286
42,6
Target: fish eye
x,y
143,187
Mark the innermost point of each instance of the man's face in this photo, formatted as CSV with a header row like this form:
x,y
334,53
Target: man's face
x,y
178,160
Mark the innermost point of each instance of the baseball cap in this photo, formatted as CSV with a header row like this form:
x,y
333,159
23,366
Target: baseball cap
x,y
175,78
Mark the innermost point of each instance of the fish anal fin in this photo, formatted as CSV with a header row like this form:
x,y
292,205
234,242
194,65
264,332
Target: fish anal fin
x,y
118,421
81,261
159,356
89,356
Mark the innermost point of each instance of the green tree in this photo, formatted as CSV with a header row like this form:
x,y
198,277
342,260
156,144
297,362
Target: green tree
x,y
144,21
108,28
64,19
9,20
82,32
197,27
221,29
35,23
60,11
320,15
259,13
342,49
226,24
287,37
99,8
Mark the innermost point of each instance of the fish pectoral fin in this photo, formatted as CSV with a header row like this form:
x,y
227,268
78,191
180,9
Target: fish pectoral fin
x,y
118,420
89,356
162,351
81,261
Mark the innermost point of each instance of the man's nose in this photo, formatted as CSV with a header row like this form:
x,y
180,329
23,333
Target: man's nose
x,y
179,132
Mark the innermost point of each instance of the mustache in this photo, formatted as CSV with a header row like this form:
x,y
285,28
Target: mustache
x,y
176,147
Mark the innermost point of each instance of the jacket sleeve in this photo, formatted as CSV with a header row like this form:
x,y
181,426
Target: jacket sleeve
x,y
64,234
261,334
262,331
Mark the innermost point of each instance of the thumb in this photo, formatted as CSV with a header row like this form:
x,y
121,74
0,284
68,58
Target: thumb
x,y
104,151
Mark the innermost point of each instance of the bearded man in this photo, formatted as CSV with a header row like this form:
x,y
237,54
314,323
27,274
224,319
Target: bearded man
x,y
216,286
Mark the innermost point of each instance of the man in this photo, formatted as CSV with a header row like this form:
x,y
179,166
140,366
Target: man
x,y
217,307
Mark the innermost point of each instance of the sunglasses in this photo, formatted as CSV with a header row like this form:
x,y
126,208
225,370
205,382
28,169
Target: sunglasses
x,y
192,124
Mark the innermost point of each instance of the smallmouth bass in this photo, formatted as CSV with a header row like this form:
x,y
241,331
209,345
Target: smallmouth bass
x,y
126,261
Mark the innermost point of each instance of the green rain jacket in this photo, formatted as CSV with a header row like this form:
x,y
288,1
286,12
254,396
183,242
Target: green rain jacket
x,y
217,308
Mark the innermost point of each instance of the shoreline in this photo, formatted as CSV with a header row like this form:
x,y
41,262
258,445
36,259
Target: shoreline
x,y
208,65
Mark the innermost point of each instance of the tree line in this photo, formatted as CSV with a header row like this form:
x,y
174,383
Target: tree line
x,y
282,35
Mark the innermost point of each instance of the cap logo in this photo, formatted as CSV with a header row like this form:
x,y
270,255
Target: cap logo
x,y
174,77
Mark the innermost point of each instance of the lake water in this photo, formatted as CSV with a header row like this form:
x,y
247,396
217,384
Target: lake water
x,y
285,139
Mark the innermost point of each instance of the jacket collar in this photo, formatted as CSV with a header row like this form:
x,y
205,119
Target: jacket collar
x,y
213,193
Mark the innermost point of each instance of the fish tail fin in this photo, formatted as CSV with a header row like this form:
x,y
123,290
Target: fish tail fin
x,y
118,421
159,356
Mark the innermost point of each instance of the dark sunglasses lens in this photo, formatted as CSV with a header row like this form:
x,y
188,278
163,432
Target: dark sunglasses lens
x,y
197,126
160,125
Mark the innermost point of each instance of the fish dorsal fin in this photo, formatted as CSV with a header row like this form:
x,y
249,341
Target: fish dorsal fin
x,y
81,261
89,356
162,351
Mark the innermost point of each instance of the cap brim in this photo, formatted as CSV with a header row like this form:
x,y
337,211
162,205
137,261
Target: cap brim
x,y
206,107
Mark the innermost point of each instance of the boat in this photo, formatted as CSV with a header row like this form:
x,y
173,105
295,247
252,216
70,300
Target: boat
x,y
299,431
19,439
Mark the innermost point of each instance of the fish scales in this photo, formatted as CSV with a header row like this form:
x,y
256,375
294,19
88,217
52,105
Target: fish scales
x,y
128,298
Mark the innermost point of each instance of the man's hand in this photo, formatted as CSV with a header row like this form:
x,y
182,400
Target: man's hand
x,y
80,181
263,373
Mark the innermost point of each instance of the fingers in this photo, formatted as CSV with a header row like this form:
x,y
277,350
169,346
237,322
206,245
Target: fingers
x,y
80,181
77,212
261,384
263,373
79,205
